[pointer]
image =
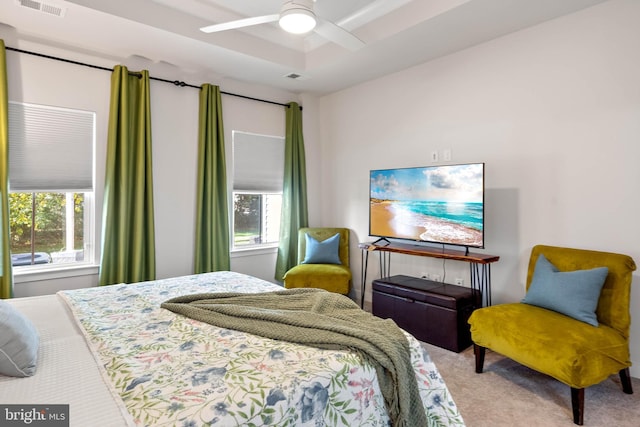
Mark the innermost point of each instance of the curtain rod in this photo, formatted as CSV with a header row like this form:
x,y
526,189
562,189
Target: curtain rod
x,y
174,82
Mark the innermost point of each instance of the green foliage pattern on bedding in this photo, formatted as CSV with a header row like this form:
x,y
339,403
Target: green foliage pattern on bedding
x,y
175,371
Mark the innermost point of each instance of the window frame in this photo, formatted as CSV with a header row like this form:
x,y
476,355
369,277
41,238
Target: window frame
x,y
88,243
271,175
89,265
254,246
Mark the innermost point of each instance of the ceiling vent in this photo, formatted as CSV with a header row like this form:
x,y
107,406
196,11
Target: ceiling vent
x,y
48,8
296,76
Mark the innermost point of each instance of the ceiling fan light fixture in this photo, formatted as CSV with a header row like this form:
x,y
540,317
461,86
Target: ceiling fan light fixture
x,y
297,17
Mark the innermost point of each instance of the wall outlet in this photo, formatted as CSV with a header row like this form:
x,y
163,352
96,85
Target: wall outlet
x,y
434,156
459,281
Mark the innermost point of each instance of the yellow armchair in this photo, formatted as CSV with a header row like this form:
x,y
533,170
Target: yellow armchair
x,y
569,350
329,276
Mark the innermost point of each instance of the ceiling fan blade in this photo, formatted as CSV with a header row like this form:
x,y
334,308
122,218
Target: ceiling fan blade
x,y
338,35
247,22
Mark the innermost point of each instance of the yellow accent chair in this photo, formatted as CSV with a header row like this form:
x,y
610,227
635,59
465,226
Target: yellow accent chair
x,y
329,276
572,351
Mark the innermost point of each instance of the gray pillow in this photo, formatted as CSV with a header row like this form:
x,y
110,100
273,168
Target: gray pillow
x,y
19,343
572,293
325,252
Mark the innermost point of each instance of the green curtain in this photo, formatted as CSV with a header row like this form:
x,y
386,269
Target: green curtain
x,y
294,192
6,275
212,215
128,242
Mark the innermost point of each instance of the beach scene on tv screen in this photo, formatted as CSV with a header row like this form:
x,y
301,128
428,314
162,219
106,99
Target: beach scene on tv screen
x,y
441,204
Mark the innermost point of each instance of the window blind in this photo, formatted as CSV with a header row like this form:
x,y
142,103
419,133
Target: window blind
x,y
258,162
50,148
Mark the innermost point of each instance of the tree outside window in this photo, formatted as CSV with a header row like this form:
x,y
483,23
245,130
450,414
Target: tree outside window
x,y
45,228
256,218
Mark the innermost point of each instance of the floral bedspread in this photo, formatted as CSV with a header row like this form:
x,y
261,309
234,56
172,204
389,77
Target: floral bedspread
x,y
170,370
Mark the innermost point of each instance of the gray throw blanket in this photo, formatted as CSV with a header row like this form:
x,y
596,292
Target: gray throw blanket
x,y
321,319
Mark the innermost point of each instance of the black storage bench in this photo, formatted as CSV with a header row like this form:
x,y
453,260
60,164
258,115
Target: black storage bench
x,y
433,312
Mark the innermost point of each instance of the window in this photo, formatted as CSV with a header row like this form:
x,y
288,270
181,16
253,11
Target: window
x,y
256,218
50,185
258,169
47,228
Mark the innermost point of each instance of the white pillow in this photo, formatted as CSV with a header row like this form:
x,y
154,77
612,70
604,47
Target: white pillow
x,y
19,343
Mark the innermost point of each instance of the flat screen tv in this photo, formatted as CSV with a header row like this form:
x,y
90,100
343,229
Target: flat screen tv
x,y
436,204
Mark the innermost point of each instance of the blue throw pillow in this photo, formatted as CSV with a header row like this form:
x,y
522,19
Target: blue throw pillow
x,y
325,252
572,293
19,343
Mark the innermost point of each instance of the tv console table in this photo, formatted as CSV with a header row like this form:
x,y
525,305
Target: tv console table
x,y
479,264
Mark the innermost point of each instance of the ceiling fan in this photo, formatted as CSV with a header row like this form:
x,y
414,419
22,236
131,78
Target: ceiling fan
x,y
297,17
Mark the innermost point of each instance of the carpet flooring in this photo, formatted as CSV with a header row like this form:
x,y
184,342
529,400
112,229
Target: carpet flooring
x,y
508,394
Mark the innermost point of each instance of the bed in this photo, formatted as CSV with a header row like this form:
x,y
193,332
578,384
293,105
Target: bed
x,y
118,359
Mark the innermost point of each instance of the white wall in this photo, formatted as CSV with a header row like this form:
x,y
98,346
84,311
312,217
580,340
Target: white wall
x,y
553,110
174,146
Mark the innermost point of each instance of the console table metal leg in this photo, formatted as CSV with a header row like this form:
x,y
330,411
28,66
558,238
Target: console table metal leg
x,y
385,270
486,268
481,281
385,264
364,262
474,282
